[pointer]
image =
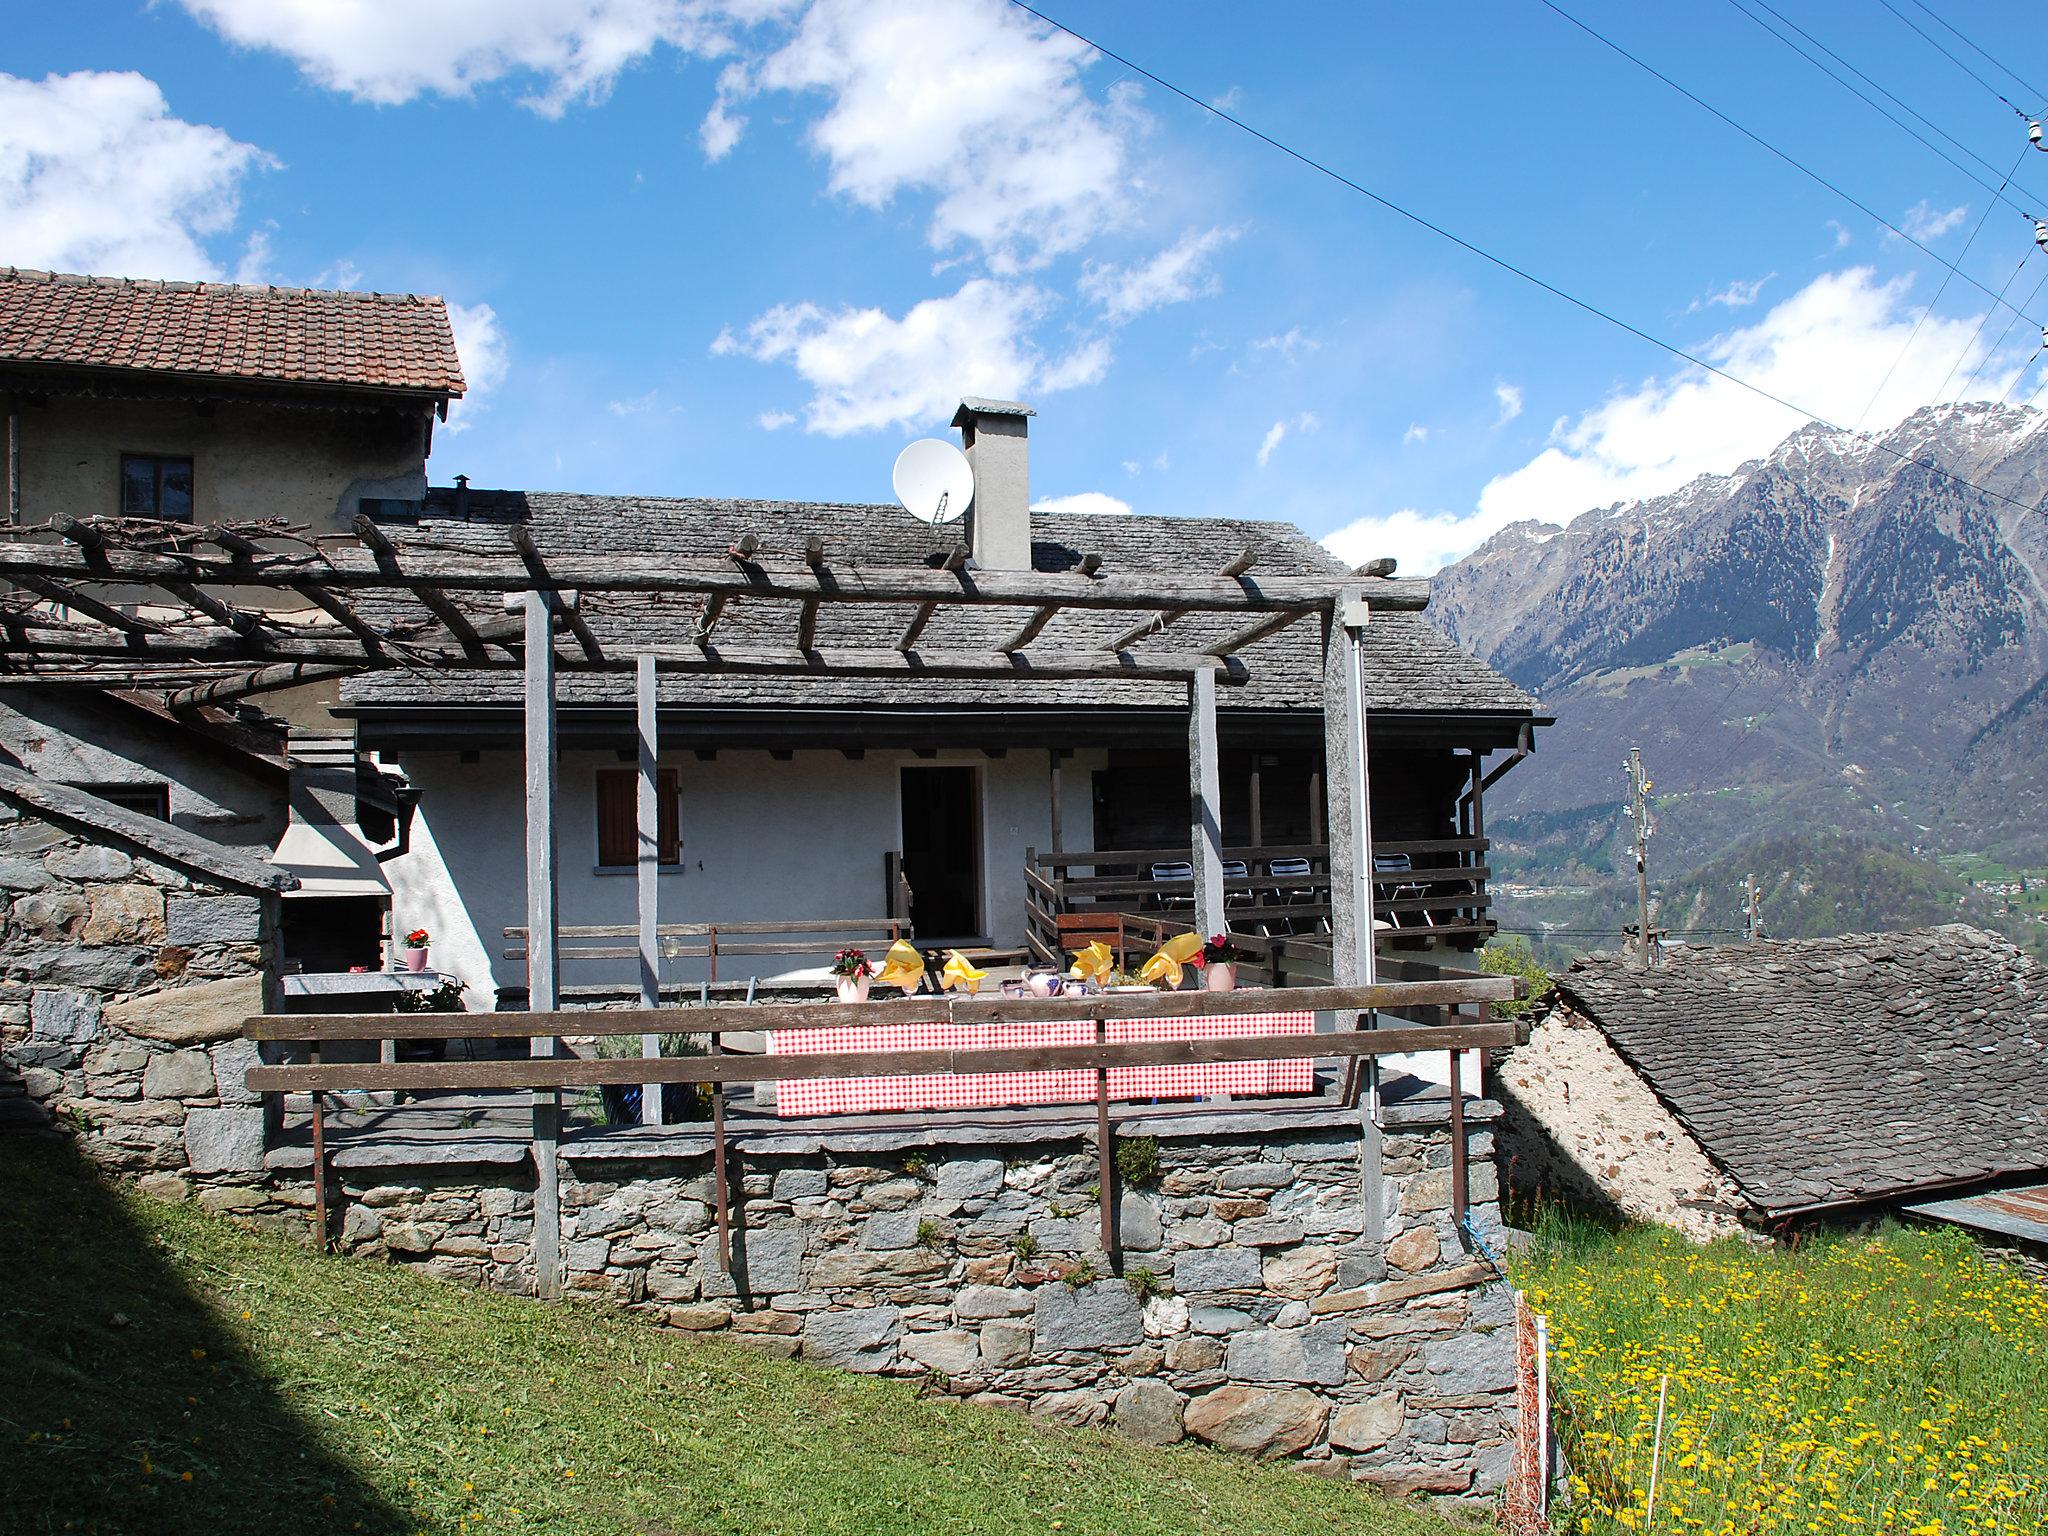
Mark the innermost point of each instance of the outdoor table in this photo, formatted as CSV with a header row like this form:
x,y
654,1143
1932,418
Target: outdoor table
x,y
991,1090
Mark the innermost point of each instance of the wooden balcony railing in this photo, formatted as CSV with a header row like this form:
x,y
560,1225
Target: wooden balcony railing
x,y
1422,889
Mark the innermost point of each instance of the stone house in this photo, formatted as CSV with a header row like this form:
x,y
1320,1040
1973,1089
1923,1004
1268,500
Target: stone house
x,y
1746,1087
131,951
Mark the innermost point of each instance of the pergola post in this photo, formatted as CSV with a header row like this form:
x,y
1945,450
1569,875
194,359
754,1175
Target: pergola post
x,y
648,869
1348,788
1205,803
543,941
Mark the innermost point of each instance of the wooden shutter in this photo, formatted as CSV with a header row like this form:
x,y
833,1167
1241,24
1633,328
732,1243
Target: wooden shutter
x,y
618,816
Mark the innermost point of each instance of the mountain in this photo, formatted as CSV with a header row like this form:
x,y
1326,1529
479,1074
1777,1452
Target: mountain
x,y
1837,638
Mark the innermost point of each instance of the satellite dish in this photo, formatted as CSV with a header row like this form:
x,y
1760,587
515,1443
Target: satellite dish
x,y
933,480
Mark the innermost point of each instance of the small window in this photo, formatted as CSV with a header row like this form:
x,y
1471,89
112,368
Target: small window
x,y
388,509
618,816
155,486
145,799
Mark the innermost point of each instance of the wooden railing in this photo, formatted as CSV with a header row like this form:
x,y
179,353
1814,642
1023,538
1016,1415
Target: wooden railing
x,y
698,941
1441,893
552,1073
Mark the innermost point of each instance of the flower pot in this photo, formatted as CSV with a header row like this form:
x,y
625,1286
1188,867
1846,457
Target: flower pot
x,y
854,989
415,959
1220,976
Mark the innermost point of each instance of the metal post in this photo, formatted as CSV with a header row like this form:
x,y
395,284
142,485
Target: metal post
x,y
1059,757
649,871
1205,803
543,939
1349,791
1105,1160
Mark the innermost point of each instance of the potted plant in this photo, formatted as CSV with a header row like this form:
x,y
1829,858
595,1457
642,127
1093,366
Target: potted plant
x,y
1219,961
416,949
850,969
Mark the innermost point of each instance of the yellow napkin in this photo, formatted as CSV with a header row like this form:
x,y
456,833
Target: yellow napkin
x,y
1095,963
1173,954
902,967
960,973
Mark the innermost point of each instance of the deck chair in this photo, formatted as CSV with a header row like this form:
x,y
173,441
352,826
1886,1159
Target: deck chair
x,y
1401,864
1237,869
1292,896
1175,901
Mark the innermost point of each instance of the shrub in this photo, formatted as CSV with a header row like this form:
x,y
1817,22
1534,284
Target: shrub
x,y
1137,1160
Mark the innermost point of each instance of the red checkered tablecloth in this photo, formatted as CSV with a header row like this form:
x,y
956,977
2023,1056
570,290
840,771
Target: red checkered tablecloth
x,y
986,1090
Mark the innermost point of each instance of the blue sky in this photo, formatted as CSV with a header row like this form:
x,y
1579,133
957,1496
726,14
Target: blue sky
x,y
750,247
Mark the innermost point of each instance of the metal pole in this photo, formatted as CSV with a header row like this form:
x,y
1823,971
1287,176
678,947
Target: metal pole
x,y
543,938
649,870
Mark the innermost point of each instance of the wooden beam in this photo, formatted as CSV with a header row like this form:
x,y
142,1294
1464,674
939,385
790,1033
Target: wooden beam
x,y
745,547
1090,563
1205,805
245,685
916,628
344,615
714,610
61,593
647,869
1241,564
1151,626
1393,996
1251,634
955,559
1030,631
568,609
491,571
814,550
223,613
385,554
542,957
598,1071
807,626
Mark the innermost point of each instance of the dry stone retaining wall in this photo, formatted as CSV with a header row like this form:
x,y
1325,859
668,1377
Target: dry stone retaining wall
x,y
977,1268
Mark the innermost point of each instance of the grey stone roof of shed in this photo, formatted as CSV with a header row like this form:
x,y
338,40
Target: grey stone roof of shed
x,y
78,811
1829,1071
1410,666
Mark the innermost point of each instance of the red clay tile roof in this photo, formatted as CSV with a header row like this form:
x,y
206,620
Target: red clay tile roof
x,y
389,341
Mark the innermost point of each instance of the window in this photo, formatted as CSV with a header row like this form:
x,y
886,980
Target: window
x,y
146,799
388,509
618,816
155,486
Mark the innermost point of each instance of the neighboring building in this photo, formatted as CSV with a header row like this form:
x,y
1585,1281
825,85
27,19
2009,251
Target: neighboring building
x,y
213,402
1749,1086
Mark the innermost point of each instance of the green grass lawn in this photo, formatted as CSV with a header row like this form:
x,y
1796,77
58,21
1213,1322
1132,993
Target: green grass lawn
x,y
162,1371
1895,1383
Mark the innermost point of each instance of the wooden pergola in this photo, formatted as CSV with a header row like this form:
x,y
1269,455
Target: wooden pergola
x,y
212,614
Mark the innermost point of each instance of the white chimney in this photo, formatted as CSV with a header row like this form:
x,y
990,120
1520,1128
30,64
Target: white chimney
x,y
996,435
322,844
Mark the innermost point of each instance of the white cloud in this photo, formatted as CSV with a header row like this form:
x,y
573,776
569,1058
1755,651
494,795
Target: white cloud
x,y
773,421
1843,234
389,51
969,100
1822,347
97,176
1924,222
1277,433
1416,433
1133,468
480,343
869,369
1092,502
1738,294
639,405
1509,397
1177,274
1289,344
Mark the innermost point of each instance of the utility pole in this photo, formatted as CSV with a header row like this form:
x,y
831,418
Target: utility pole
x,y
1752,908
1638,808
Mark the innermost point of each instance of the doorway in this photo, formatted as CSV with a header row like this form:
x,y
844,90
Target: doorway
x,y
942,851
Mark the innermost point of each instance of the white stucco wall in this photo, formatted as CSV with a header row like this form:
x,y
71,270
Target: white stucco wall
x,y
308,467
1581,1120
763,840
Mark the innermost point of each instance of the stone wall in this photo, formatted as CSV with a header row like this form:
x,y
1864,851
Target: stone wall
x,y
1582,1125
123,986
1262,1306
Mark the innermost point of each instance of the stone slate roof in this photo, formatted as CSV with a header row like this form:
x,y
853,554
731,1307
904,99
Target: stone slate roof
x,y
1410,665
1820,1071
383,341
167,844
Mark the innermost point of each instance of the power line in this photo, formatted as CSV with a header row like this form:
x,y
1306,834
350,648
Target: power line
x,y
1997,192
1983,361
1982,321
1507,266
1757,138
1936,45
2038,94
1930,309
